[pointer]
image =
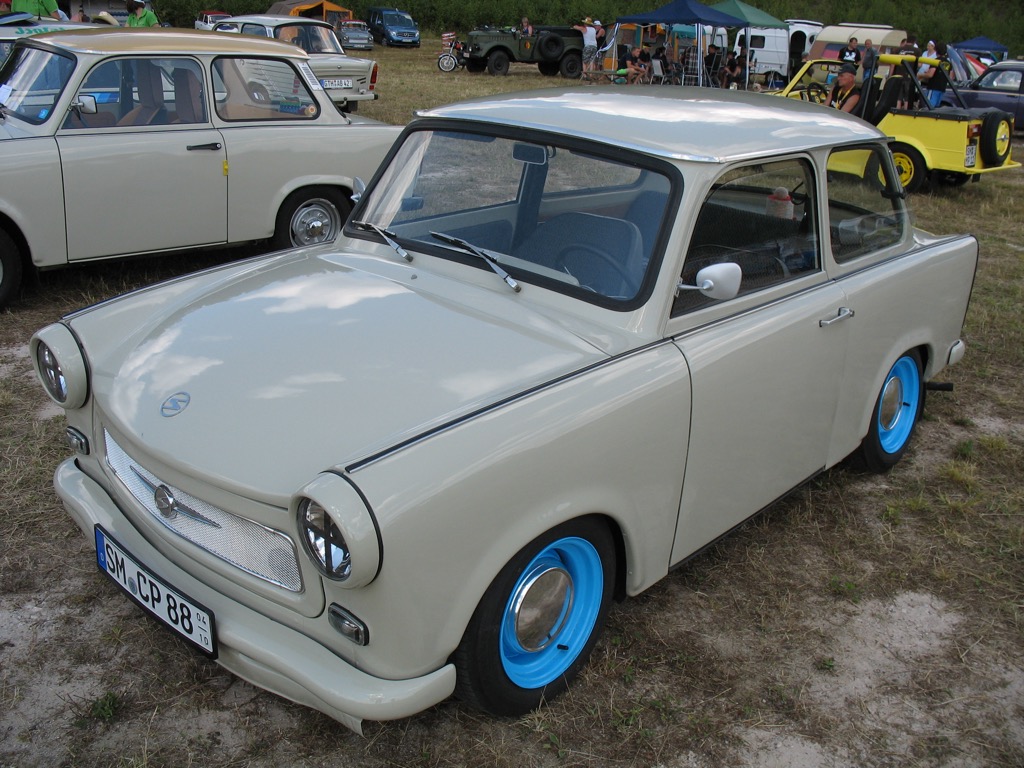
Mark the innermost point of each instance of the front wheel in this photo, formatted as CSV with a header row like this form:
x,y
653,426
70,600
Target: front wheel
x,y
309,217
896,413
538,620
447,62
10,269
497,63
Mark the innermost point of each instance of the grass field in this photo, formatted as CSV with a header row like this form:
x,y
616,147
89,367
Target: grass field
x,y
865,620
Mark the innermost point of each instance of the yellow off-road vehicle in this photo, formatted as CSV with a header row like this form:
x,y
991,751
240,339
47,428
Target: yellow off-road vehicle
x,y
947,144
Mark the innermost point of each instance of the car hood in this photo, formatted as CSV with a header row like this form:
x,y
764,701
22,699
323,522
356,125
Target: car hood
x,y
304,362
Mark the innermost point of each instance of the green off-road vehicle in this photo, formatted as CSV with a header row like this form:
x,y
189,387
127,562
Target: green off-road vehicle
x,y
555,50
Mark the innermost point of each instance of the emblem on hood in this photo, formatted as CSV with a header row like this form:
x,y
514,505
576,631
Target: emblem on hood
x,y
175,404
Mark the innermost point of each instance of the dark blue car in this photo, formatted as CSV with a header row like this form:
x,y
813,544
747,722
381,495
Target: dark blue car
x,y
1000,86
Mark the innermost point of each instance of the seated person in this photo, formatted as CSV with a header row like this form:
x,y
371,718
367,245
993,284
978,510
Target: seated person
x,y
731,71
636,68
845,93
526,28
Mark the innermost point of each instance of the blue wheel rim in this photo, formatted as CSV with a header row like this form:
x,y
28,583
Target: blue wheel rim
x,y
575,566
898,405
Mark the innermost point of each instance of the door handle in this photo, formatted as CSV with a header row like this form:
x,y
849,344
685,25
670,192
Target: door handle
x,y
844,312
213,146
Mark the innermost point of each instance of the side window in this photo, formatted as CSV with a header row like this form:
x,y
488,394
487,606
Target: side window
x,y
1006,80
262,89
865,204
255,29
761,217
138,92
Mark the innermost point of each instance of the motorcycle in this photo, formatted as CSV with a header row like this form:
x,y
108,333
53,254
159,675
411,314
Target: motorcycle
x,y
453,56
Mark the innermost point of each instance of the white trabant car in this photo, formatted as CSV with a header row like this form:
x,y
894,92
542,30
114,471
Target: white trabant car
x,y
424,459
118,143
348,80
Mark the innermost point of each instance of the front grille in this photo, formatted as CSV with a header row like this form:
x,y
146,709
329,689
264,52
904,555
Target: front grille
x,y
256,549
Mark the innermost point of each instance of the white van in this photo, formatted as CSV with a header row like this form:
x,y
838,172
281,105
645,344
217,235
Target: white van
x,y
777,52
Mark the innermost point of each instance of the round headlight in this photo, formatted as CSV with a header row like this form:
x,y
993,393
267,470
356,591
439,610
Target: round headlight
x,y
324,541
60,365
339,531
51,374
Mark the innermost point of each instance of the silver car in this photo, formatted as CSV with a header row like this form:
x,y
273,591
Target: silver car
x,y
347,80
567,340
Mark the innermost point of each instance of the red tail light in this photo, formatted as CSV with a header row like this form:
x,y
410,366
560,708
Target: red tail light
x,y
373,77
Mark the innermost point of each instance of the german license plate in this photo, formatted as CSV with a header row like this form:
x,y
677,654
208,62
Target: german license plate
x,y
337,83
971,156
180,613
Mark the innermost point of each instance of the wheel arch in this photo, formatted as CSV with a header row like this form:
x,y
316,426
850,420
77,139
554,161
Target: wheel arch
x,y
243,223
10,227
924,348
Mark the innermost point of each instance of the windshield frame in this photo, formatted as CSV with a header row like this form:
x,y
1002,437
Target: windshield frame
x,y
655,174
14,73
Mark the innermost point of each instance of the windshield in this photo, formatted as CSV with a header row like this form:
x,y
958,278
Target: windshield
x,y
400,20
549,214
309,37
31,83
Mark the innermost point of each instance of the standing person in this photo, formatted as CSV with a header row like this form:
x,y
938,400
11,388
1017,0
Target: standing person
x,y
869,58
40,8
845,94
139,15
589,43
935,80
850,54
907,48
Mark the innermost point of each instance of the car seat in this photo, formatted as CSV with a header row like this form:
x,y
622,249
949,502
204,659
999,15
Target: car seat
x,y
188,96
150,110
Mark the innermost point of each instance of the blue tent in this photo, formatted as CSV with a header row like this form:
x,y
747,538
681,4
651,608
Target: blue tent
x,y
684,12
985,45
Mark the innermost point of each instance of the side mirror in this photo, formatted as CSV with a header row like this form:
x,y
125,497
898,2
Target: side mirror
x,y
86,104
358,187
716,281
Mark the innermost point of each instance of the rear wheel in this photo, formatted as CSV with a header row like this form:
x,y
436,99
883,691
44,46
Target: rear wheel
x,y
310,216
10,268
996,135
896,413
910,166
538,620
497,63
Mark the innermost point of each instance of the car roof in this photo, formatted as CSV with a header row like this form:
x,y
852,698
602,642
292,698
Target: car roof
x,y
703,124
273,20
156,40
1008,64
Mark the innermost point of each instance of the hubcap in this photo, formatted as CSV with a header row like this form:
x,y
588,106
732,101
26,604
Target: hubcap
x,y
315,222
544,600
892,403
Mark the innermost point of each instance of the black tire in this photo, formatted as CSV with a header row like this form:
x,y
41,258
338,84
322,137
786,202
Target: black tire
x,y
447,62
571,66
550,46
310,216
897,410
496,672
951,178
910,166
548,68
497,63
476,66
11,269
996,137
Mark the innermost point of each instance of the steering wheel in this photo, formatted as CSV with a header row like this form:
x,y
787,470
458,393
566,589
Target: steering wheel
x,y
817,93
562,257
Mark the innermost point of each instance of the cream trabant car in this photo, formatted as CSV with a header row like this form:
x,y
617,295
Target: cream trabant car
x,y
424,459
129,142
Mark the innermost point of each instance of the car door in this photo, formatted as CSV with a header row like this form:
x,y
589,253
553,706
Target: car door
x,y
766,366
146,172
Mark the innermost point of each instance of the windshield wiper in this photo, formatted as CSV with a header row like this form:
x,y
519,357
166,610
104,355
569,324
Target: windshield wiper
x,y
481,253
387,236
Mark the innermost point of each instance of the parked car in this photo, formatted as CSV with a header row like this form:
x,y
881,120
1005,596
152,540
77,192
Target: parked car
x,y
489,409
195,139
390,26
346,79
1000,87
14,26
355,35
952,145
206,19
